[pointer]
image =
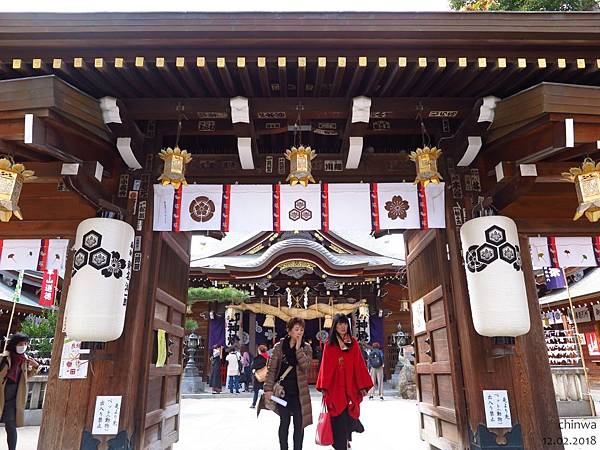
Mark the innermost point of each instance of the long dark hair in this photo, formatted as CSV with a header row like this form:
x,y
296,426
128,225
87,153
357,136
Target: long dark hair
x,y
338,318
14,340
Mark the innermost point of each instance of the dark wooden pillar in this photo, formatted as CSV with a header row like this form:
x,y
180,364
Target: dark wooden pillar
x,y
525,375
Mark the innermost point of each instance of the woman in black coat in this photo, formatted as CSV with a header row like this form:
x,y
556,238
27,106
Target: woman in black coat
x,y
215,369
259,362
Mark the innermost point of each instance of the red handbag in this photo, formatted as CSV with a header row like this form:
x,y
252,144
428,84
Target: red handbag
x,y
324,435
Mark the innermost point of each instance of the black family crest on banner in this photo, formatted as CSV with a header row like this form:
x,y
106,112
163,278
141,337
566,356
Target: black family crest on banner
x,y
495,247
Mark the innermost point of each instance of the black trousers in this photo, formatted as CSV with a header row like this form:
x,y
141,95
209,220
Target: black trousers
x,y
9,415
342,427
292,410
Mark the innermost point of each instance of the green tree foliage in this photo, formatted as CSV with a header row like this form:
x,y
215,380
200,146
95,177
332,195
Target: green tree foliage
x,y
525,5
221,295
41,330
191,324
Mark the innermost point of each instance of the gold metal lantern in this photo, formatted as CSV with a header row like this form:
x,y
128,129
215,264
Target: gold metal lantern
x,y
426,160
587,185
300,165
174,170
12,177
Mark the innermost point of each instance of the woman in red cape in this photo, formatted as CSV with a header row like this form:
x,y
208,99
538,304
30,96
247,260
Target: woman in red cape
x,y
344,380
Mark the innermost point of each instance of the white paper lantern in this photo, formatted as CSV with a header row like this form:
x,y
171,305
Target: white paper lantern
x,y
495,277
97,297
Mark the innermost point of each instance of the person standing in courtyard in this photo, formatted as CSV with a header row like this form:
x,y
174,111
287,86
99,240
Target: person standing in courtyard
x,y
376,365
289,368
258,368
215,369
15,368
344,380
246,369
234,364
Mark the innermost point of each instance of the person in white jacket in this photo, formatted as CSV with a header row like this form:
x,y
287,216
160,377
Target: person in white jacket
x,y
234,361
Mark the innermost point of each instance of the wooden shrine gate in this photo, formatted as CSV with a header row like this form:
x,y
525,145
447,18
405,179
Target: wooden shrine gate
x,y
441,400
167,303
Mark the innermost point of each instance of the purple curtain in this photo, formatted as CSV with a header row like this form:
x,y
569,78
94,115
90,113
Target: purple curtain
x,y
376,324
216,332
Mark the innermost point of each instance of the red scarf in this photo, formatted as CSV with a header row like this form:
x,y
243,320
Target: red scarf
x,y
265,355
16,362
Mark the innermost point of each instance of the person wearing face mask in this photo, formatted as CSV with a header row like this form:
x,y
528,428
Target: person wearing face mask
x,y
289,365
215,369
15,368
344,380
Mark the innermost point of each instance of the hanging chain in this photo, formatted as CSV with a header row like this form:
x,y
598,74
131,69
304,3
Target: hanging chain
x,y
298,125
424,133
180,108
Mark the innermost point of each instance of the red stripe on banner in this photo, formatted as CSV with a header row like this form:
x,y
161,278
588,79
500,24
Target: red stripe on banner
x,y
1,245
48,291
226,206
43,260
422,207
177,212
553,252
325,207
276,208
374,208
596,243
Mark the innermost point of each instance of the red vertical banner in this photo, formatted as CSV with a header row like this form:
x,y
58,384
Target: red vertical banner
x,y
325,207
553,252
177,208
277,208
374,208
422,207
596,243
48,291
43,259
226,207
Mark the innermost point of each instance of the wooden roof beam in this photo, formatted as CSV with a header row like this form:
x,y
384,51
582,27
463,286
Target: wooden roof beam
x,y
282,74
338,77
357,76
71,76
321,68
102,71
245,76
263,75
189,78
468,74
150,76
114,73
376,74
415,75
301,77
165,71
132,77
423,85
226,76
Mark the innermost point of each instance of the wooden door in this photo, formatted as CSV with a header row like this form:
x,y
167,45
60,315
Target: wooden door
x,y
439,381
167,304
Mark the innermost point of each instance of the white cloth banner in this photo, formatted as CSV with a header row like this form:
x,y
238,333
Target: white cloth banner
x,y
20,254
575,252
249,208
57,256
540,253
299,207
398,206
436,205
348,207
200,207
164,197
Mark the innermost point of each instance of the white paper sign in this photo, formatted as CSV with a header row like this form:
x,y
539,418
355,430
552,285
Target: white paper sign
x,y
582,314
418,316
497,409
106,415
71,367
596,308
580,433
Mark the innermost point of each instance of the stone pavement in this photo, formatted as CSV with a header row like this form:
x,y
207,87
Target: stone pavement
x,y
224,422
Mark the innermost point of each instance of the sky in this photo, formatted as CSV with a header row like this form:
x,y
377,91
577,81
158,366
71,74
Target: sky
x,y
225,5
